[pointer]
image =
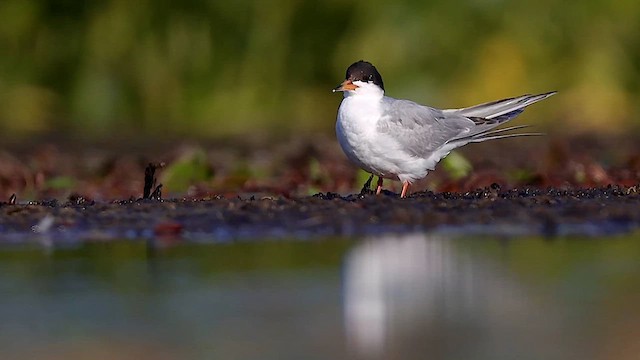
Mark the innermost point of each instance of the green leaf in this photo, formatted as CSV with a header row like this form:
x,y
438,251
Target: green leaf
x,y
191,168
60,183
456,165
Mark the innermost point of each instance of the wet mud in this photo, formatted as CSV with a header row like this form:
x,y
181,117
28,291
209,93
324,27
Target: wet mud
x,y
551,212
289,189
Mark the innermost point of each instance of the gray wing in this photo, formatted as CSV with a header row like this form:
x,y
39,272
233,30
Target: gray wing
x,y
421,129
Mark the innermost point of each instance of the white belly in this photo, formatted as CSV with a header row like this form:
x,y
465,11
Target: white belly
x,y
356,146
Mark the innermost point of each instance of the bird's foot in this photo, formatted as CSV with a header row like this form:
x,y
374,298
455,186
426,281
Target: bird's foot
x,y
405,189
379,187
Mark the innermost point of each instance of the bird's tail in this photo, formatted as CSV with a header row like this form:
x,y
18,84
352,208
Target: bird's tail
x,y
501,108
490,115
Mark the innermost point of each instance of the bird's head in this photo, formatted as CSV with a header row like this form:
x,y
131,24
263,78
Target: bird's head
x,y
361,77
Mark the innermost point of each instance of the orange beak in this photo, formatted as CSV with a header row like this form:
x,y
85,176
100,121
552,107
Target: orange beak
x,y
346,85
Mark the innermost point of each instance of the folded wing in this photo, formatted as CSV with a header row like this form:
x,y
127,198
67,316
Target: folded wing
x,y
421,130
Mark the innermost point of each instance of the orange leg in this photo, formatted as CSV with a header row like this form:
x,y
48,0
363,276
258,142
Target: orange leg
x,y
379,188
405,188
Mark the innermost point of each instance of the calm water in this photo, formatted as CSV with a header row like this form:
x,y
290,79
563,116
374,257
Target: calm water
x,y
409,297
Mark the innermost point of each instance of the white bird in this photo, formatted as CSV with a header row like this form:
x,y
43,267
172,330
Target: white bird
x,y
402,140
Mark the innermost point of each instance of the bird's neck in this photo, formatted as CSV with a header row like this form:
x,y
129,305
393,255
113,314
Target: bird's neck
x,y
363,101
370,93
361,110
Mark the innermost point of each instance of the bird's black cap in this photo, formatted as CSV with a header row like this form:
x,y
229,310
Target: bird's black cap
x,y
364,71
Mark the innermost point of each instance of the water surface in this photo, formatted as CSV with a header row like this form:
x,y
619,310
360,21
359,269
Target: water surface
x,y
405,297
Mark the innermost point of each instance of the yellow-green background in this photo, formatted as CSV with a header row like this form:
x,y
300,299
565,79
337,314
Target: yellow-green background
x,y
215,68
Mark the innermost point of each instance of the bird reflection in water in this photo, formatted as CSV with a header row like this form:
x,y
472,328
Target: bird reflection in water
x,y
417,296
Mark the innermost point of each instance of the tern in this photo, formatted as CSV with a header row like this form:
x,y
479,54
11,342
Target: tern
x,y
403,140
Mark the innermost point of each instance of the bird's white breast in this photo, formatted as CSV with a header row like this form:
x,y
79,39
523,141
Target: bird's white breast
x,y
375,152
356,127
364,145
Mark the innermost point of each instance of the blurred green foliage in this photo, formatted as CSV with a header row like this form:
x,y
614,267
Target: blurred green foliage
x,y
457,166
212,68
191,168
